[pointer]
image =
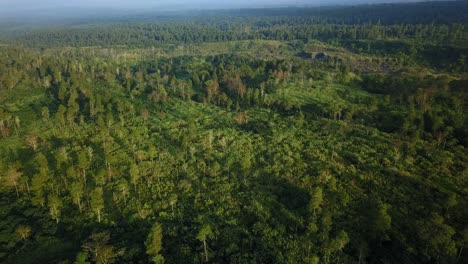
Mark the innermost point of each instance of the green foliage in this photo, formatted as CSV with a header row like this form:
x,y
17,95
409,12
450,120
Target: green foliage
x,y
264,146
316,199
382,219
81,258
154,243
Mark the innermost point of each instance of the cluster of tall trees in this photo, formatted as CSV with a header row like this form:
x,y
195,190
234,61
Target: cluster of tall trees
x,y
435,105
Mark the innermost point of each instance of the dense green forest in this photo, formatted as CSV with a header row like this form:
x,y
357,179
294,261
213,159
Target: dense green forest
x,y
314,135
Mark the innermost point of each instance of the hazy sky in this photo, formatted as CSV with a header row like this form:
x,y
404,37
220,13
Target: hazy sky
x,y
50,4
32,8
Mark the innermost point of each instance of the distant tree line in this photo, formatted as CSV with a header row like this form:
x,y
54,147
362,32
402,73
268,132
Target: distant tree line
x,y
351,23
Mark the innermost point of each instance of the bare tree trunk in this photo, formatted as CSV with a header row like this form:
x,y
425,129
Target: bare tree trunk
x,y
84,176
17,193
206,251
27,188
